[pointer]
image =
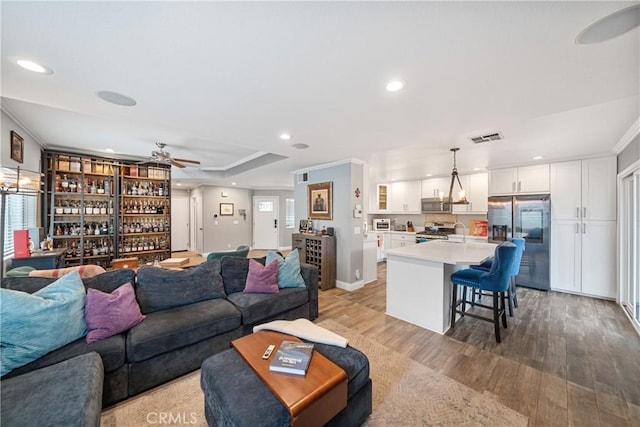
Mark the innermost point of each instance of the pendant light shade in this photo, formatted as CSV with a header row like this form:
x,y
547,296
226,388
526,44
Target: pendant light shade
x,y
462,199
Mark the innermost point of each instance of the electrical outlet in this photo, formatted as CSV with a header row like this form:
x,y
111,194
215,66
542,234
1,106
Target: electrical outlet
x,y
357,274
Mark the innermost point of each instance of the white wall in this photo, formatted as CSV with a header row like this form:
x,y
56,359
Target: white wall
x,y
32,150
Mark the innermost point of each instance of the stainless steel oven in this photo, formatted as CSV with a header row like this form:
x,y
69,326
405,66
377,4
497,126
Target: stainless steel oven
x,y
381,224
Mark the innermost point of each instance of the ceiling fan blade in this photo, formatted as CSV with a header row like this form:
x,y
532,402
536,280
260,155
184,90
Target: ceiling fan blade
x,y
187,161
178,165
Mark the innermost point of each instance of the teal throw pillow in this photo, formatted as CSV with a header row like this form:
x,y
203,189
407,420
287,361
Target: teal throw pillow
x,y
36,324
288,269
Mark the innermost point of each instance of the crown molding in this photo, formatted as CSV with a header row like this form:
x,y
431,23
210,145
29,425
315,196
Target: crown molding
x,y
629,135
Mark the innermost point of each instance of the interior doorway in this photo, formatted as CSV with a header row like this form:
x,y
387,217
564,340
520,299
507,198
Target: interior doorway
x,y
180,223
265,222
196,224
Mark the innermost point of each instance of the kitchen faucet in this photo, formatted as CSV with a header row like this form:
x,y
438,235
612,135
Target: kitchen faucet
x,y
464,228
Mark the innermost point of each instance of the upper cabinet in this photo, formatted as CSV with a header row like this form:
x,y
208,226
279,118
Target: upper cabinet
x,y
476,188
526,179
584,189
405,197
435,187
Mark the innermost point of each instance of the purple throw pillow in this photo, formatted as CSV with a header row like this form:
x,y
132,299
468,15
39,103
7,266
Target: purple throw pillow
x,y
109,314
262,279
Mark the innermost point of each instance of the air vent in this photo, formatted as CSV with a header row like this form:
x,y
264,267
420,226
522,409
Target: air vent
x,y
486,138
303,177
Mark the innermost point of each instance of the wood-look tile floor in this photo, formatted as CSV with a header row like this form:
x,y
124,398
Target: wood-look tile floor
x,y
564,359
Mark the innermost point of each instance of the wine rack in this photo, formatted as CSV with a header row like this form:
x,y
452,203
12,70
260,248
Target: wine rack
x,y
318,250
84,209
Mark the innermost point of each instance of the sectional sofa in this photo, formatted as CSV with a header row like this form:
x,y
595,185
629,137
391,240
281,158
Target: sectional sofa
x,y
189,315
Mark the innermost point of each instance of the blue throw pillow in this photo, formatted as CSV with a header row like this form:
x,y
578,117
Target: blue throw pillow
x,y
36,324
288,269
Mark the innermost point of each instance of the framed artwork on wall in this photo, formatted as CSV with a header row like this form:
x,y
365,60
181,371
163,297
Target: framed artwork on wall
x,y
226,209
320,200
17,147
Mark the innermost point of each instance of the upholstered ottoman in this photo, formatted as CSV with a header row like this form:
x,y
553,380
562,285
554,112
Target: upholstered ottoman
x,y
68,393
236,397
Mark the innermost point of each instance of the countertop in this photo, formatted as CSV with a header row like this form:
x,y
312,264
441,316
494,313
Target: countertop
x,y
446,252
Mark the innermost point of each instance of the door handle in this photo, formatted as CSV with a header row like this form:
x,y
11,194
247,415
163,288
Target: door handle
x,y
275,223
584,212
584,228
519,186
513,186
577,212
577,228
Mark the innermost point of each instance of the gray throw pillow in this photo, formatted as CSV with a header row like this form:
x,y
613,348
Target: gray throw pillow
x,y
234,273
160,289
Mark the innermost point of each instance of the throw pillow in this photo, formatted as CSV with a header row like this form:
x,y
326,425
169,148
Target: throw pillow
x,y
262,279
288,269
161,289
109,314
234,273
36,324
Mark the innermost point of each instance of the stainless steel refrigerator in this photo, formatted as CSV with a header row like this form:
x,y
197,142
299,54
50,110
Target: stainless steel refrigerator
x,y
526,217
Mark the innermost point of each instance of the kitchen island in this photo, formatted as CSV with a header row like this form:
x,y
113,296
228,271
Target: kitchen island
x,y
418,279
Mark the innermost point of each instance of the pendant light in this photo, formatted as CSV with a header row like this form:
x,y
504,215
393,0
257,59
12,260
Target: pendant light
x,y
462,200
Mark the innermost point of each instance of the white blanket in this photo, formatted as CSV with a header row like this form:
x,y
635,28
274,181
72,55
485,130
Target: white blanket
x,y
305,329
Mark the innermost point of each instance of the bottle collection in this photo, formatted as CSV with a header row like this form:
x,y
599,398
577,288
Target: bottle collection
x,y
99,209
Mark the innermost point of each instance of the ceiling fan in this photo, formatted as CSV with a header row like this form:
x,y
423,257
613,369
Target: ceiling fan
x,y
165,157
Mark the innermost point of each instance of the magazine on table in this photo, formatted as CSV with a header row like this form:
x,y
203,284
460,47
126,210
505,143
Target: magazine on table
x,y
292,357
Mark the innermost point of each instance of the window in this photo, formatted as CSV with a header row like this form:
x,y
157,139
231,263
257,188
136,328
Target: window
x,y
289,213
265,206
20,214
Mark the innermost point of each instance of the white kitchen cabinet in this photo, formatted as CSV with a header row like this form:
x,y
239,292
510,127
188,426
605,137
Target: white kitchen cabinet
x,y
380,238
476,187
369,264
436,187
399,240
584,189
525,179
382,198
405,197
583,257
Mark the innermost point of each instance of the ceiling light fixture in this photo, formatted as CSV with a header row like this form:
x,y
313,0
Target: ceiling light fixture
x,y
109,150
462,199
285,136
233,183
179,184
116,98
34,66
610,26
394,85
300,146
429,174
537,158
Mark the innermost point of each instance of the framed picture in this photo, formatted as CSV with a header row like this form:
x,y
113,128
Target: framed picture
x,y
17,147
320,200
226,209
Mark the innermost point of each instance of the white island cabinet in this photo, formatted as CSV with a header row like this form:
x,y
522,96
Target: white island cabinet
x,y
419,280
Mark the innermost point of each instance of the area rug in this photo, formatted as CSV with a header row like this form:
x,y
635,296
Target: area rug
x,y
405,393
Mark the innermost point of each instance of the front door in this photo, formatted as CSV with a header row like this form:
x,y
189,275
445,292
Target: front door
x,y
265,222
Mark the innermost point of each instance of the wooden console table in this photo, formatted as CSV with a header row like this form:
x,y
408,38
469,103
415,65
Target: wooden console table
x,y
313,399
41,260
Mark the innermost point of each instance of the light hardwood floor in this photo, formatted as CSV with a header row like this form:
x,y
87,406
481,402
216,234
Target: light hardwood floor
x,y
563,360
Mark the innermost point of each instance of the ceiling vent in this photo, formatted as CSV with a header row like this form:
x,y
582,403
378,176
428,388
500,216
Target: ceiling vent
x,y
303,177
495,136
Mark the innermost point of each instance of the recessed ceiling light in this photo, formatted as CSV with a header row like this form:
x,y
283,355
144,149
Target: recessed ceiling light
x,y
610,26
429,174
116,98
34,66
477,169
233,183
300,146
537,158
395,85
179,184
285,136
109,150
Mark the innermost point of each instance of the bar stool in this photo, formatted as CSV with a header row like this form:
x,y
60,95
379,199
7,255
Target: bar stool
x,y
496,281
512,293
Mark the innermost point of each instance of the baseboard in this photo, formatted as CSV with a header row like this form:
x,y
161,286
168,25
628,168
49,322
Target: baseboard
x,y
631,319
349,286
284,248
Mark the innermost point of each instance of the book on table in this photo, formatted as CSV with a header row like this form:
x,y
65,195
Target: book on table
x,y
292,358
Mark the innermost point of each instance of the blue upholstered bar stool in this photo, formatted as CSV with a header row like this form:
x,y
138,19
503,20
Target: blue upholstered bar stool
x,y
512,293
496,281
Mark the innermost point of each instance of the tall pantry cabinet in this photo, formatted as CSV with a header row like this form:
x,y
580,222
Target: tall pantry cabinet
x,y
100,209
583,226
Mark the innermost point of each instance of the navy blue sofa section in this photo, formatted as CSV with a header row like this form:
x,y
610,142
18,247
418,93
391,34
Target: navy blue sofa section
x,y
190,316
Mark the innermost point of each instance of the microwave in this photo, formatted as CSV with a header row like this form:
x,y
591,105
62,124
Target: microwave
x,y
382,224
434,205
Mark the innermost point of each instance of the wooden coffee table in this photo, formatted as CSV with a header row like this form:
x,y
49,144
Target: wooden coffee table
x,y
313,399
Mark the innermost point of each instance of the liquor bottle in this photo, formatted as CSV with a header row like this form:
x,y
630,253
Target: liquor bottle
x,y
88,208
73,185
101,188
64,184
93,189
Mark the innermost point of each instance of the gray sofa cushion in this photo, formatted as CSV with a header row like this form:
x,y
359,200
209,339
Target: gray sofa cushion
x,y
257,307
105,282
161,289
112,351
234,273
167,330
66,394
351,360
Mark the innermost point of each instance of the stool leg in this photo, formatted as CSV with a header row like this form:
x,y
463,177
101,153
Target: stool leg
x,y
464,298
496,316
509,302
504,310
515,292
454,305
